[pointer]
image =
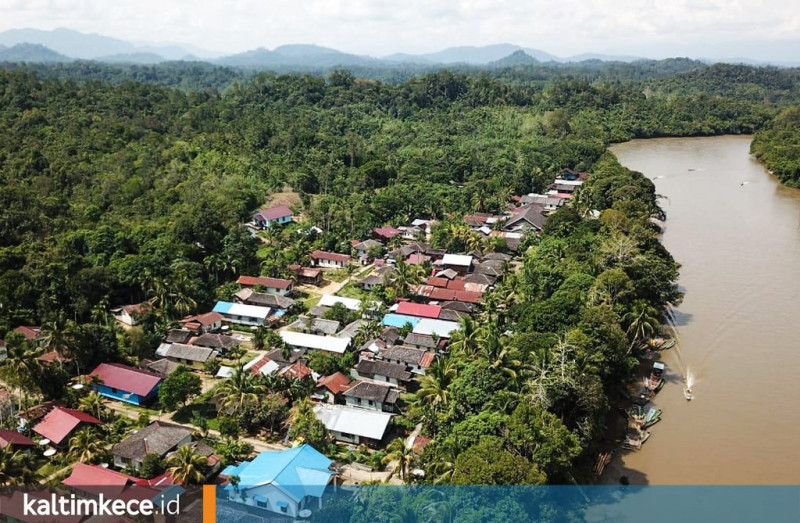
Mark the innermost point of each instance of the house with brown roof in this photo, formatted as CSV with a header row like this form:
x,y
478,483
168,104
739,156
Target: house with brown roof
x,y
131,314
200,323
265,218
248,296
372,396
15,440
61,423
306,275
329,260
270,285
418,360
157,438
421,341
189,355
221,343
330,388
386,233
384,371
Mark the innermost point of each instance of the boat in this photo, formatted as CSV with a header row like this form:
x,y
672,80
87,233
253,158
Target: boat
x,y
667,345
655,382
652,417
688,394
634,439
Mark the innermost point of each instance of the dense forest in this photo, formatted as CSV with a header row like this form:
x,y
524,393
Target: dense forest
x,y
116,187
778,146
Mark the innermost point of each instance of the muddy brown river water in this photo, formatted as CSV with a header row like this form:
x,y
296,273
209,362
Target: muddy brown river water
x,y
736,232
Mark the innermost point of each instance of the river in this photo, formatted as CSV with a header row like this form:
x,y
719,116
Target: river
x,y
736,232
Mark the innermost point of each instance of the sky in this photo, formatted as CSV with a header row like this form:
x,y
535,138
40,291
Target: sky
x,y
653,28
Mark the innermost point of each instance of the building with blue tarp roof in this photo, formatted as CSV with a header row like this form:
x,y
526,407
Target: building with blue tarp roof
x,y
399,320
284,482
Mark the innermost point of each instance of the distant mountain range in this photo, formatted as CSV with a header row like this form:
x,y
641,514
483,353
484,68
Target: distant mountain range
x,y
63,45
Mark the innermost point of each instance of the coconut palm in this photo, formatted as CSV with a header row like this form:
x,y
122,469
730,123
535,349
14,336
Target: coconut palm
x,y
465,340
93,404
186,466
496,351
643,321
239,391
16,468
85,445
22,367
403,277
434,384
398,451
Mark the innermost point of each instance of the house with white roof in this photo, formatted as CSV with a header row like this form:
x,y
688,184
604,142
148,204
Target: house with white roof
x,y
301,340
243,314
329,300
457,262
353,424
285,482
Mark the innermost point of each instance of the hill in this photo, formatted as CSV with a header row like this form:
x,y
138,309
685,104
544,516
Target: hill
x,y
31,53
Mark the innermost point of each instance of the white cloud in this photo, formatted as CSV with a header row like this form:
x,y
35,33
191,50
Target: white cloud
x,y
385,26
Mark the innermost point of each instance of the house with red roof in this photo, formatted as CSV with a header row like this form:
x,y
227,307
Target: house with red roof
x,y
272,285
30,333
60,423
329,259
202,323
15,439
124,383
306,274
386,233
94,480
279,214
418,309
330,389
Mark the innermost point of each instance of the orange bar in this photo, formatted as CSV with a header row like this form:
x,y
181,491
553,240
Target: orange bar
x,y
209,504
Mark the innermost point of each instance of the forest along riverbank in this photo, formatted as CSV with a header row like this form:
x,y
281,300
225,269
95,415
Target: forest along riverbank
x,y
736,232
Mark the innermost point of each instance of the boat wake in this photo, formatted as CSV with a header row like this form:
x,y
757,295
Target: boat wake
x,y
688,391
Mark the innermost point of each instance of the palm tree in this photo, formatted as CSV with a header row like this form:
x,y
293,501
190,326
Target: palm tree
x,y
403,277
465,340
16,467
434,384
85,445
398,451
643,322
92,403
187,466
22,367
496,352
239,391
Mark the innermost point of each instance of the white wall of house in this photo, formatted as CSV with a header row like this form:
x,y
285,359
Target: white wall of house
x,y
334,264
126,318
272,494
347,438
364,403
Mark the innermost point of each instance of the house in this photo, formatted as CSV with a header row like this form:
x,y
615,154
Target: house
x,y
399,321
353,424
279,214
301,340
15,440
531,216
363,248
162,367
208,322
562,190
440,328
218,342
30,333
284,482
262,365
417,360
548,202
418,309
370,282
298,371
373,396
387,372
189,355
270,285
94,481
278,357
178,336
131,314
241,314
352,329
386,233
314,325
459,263
261,299
60,423
411,233
421,341
568,176
157,438
128,384
306,275
329,300
330,260
330,388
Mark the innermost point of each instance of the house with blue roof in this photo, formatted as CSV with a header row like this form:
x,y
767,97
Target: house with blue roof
x,y
284,482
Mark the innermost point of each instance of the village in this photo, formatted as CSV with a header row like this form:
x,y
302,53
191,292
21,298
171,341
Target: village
x,y
348,339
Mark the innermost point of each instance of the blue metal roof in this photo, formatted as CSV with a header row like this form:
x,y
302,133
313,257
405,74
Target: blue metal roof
x,y
301,471
222,307
399,320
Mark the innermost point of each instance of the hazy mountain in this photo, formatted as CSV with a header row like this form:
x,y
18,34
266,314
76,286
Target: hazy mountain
x,y
300,55
31,53
90,46
132,58
602,57
478,55
515,59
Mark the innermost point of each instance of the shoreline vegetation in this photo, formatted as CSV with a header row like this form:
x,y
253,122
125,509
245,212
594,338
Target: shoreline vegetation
x,y
117,193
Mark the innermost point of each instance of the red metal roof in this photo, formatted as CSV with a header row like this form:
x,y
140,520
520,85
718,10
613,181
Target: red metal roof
x,y
297,371
96,476
426,360
12,437
336,383
437,282
468,296
456,285
322,255
387,232
206,319
419,310
60,422
276,283
30,332
126,378
273,213
442,294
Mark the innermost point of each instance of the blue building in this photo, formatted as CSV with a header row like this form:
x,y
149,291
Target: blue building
x,y
128,384
284,482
